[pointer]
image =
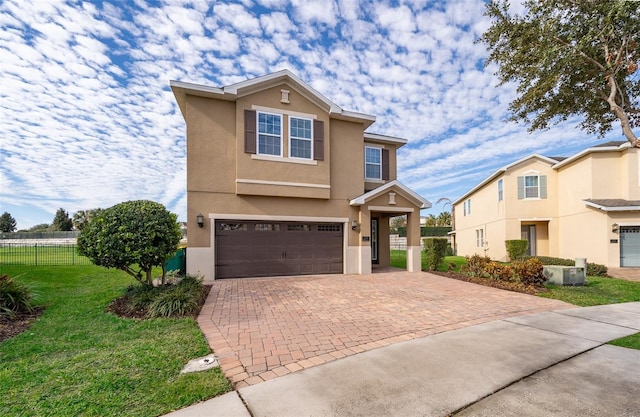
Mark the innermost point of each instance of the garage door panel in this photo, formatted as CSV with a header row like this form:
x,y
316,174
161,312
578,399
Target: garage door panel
x,y
630,246
253,248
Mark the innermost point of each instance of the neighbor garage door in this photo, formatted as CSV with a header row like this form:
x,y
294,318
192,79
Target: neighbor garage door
x,y
630,246
260,249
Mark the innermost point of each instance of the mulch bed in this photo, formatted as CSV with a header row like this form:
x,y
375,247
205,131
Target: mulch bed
x,y
11,327
503,285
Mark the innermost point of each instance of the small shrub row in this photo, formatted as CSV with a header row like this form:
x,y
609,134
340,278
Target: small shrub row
x,y
15,298
594,270
179,299
528,271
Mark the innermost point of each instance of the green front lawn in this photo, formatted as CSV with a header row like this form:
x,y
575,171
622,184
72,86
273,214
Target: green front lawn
x,y
76,359
598,291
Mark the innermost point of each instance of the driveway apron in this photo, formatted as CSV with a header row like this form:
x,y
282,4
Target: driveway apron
x,y
260,329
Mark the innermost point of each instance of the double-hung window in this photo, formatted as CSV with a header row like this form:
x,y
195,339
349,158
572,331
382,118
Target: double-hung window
x,y
372,163
531,186
269,134
500,191
479,238
300,142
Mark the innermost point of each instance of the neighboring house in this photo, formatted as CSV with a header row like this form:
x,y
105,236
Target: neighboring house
x,y
584,206
282,181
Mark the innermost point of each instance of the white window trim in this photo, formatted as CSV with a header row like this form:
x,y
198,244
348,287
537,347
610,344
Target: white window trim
x,y
479,238
290,117
500,189
531,174
365,163
274,158
268,134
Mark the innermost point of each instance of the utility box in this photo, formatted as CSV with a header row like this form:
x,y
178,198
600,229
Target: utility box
x,y
565,275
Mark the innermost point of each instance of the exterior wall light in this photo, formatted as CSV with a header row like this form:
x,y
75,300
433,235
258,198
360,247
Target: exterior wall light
x,y
200,220
354,224
614,228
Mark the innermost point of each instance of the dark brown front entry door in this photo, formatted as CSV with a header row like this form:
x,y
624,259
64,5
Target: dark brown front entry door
x,y
259,249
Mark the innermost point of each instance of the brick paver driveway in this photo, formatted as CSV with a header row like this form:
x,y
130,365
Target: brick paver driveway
x,y
261,328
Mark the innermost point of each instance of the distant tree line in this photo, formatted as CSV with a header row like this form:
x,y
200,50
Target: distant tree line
x,y
61,222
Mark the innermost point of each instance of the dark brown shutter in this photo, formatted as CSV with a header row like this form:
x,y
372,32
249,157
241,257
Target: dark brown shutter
x,y
385,164
250,131
318,140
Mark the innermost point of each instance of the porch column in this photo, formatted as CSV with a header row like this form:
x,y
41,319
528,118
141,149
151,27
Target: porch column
x,y
414,258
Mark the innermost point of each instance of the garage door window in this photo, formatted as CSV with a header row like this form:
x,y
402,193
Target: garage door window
x,y
238,227
267,227
299,227
328,228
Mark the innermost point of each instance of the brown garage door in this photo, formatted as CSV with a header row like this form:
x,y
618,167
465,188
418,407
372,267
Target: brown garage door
x,y
261,249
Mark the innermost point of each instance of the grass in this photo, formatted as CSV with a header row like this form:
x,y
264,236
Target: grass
x,y
77,360
598,291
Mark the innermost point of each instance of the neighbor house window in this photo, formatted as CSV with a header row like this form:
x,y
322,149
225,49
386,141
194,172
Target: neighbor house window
x,y
479,238
469,206
500,193
373,163
300,138
532,186
464,208
269,134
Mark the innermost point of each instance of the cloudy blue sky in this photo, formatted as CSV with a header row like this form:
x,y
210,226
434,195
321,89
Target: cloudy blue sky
x,y
87,118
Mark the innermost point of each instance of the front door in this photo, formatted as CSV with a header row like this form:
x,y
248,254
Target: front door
x,y
374,240
528,233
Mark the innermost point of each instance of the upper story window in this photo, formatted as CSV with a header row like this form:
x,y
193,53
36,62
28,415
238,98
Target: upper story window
x,y
372,163
263,135
500,192
300,140
269,134
532,186
466,207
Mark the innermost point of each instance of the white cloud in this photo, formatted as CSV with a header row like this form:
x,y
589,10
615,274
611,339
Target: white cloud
x,y
89,120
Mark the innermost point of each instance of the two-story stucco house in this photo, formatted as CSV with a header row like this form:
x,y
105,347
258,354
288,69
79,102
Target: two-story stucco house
x,y
584,206
282,181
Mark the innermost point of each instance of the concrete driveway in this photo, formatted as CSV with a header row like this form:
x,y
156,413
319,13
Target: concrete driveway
x,y
260,329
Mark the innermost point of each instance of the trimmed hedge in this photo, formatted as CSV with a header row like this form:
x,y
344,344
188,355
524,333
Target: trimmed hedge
x,y
594,270
516,248
426,231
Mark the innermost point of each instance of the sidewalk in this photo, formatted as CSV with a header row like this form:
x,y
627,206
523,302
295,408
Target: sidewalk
x,y
552,363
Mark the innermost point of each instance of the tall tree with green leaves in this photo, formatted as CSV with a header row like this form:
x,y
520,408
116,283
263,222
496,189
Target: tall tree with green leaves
x,y
7,223
82,217
62,221
570,58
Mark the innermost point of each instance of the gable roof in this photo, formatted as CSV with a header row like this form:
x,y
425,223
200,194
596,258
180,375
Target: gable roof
x,y
234,91
404,190
555,162
499,172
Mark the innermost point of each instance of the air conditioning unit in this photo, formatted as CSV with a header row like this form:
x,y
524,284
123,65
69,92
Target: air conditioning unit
x,y
565,275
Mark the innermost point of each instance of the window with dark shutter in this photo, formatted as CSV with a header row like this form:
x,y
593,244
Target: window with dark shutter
x,y
249,131
318,140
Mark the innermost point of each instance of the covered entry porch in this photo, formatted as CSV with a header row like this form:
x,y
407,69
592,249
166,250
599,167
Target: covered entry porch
x,y
372,212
